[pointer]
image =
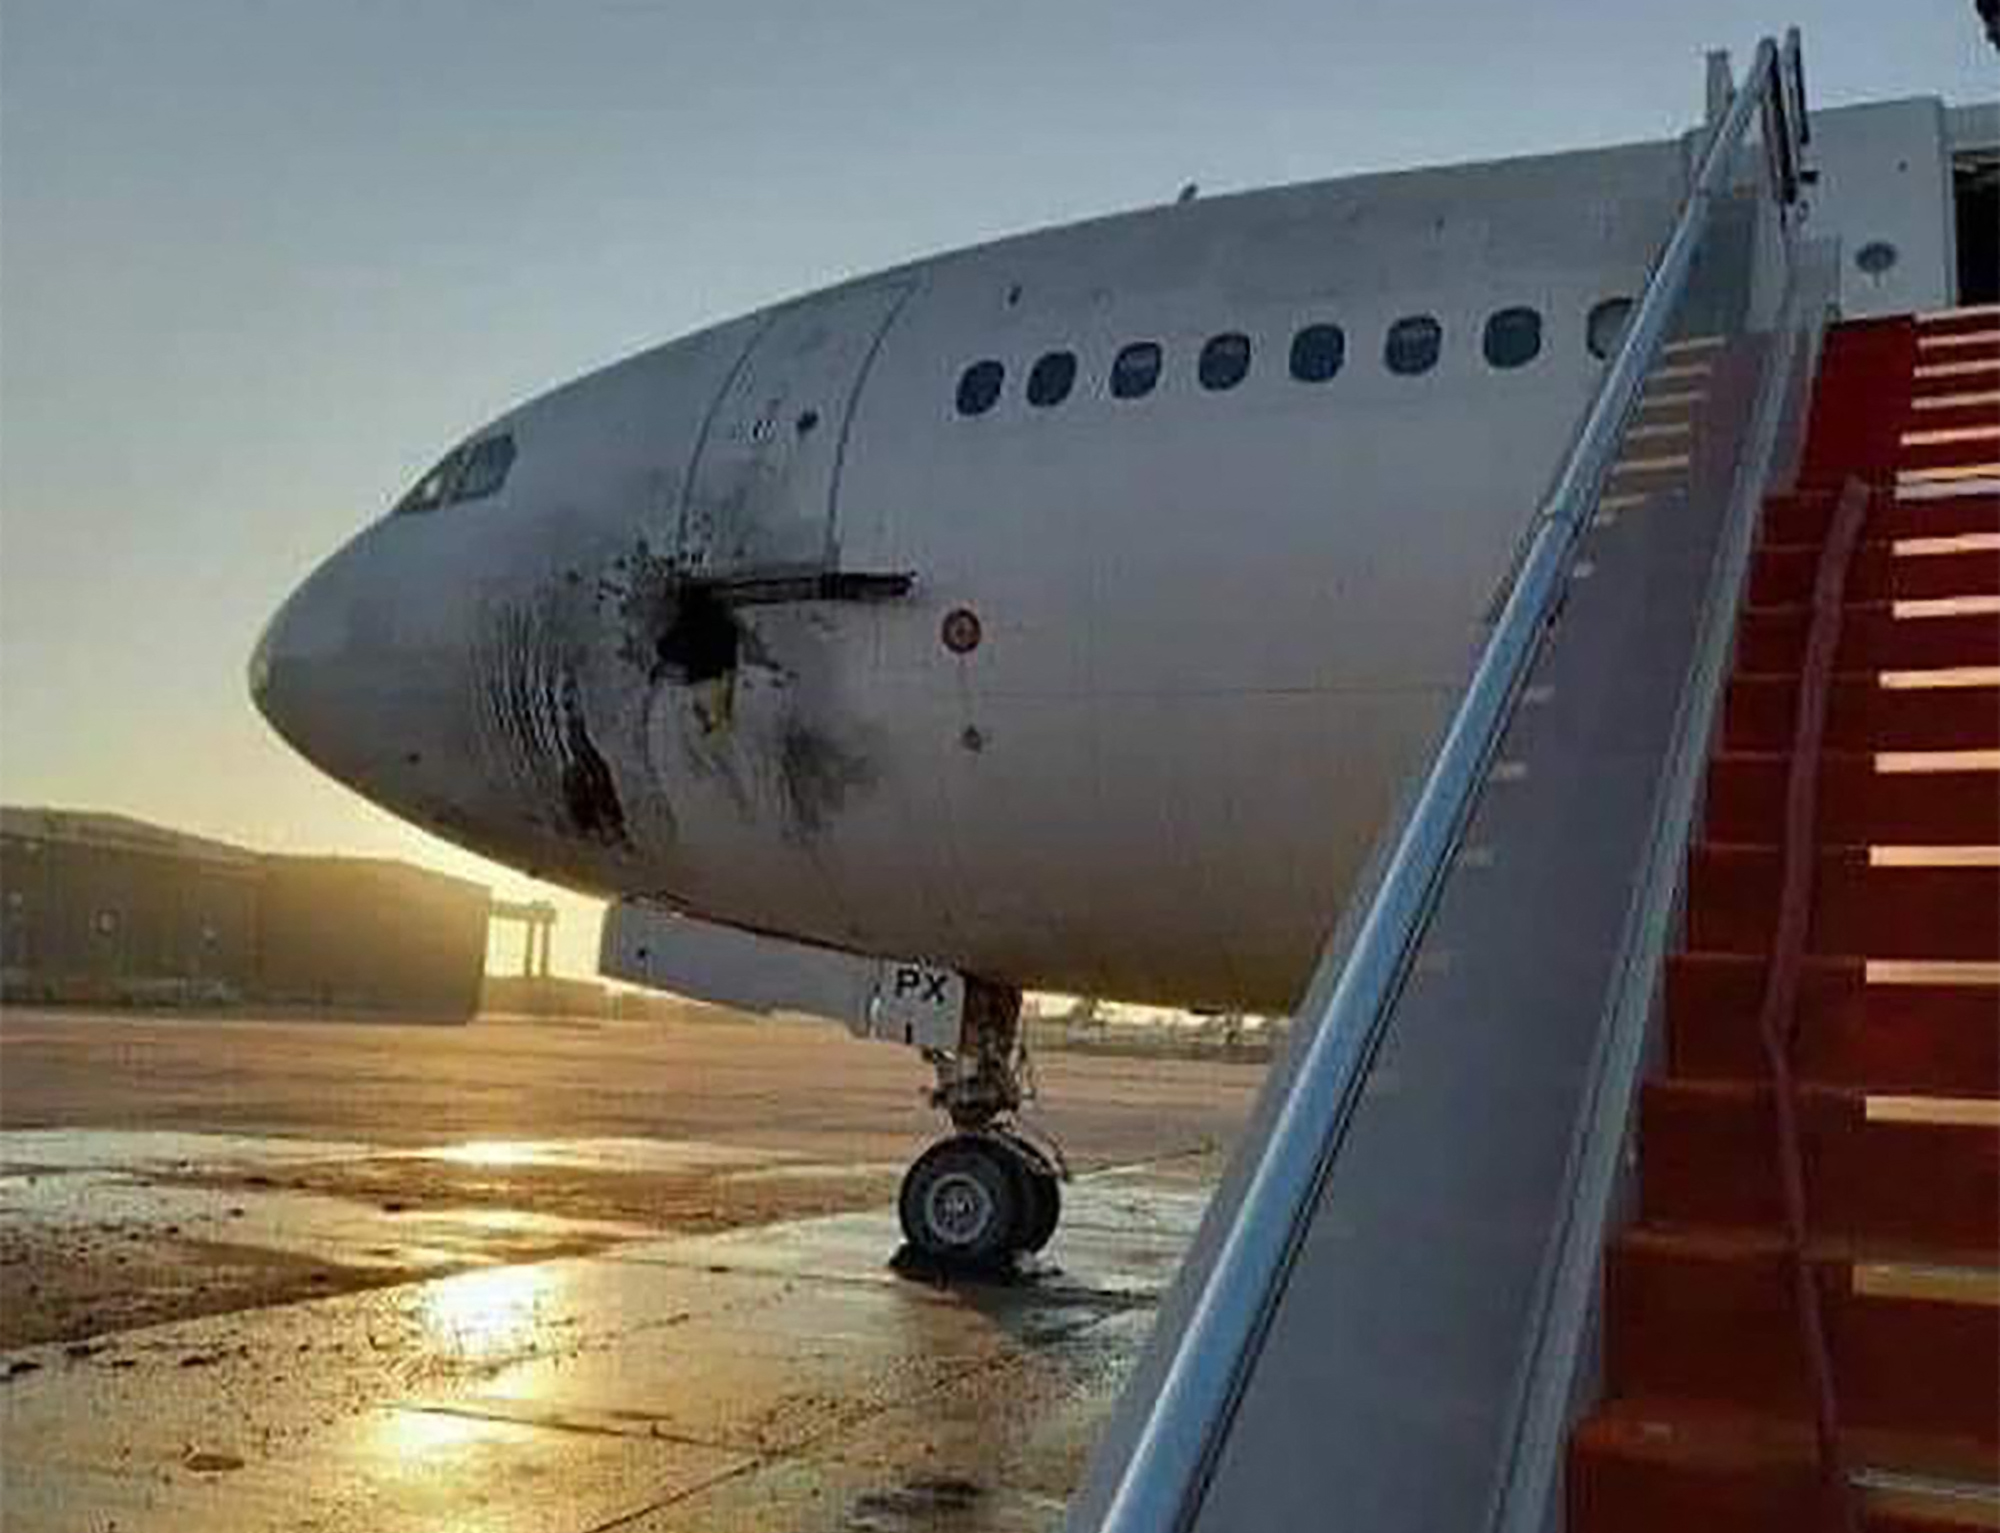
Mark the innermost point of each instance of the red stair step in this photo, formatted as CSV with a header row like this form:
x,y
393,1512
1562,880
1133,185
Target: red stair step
x,y
1672,1466
1914,1512
1968,345
1709,1156
1871,638
1709,1317
1973,452
1858,910
1942,417
1977,379
1862,714
1784,574
1972,320
1638,1466
1941,1039
1802,516
1858,806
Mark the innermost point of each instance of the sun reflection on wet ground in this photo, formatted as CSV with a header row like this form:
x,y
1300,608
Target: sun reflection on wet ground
x,y
410,1435
490,1315
622,1154
495,1152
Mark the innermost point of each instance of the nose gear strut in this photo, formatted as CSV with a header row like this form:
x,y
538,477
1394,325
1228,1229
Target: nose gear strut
x,y
986,1193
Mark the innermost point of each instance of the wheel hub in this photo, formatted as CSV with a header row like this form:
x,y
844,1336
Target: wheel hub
x,y
959,1208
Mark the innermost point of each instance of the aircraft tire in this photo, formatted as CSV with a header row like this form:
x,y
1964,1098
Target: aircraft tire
x,y
964,1202
1044,1191
1041,1191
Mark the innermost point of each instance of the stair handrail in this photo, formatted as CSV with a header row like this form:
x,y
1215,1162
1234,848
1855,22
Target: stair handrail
x,y
1165,1472
1778,1008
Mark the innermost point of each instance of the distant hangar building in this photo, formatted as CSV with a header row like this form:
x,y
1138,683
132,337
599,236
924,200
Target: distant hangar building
x,y
107,909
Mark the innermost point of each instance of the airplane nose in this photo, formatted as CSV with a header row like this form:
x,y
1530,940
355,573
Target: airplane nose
x,y
260,671
364,671
301,667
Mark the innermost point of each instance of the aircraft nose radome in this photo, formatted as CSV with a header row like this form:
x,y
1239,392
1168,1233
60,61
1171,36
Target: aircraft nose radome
x,y
295,669
259,674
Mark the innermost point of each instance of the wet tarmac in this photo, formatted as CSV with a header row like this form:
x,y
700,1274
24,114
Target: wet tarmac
x,y
532,1275
559,1373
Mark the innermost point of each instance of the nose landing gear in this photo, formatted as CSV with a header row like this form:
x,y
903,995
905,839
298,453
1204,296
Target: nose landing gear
x,y
975,1200
986,1194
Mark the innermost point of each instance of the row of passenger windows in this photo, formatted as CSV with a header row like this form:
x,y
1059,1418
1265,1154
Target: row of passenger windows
x,y
1412,345
470,472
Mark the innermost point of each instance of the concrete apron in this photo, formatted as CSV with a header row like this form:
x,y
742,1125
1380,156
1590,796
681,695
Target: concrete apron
x,y
782,1377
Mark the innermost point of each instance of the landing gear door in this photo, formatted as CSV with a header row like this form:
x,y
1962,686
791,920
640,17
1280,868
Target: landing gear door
x,y
917,1004
763,493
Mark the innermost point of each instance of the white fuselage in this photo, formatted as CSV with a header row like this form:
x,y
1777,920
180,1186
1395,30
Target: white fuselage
x,y
1215,627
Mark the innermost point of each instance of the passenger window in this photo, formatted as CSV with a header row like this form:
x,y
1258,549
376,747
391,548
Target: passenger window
x,y
1317,352
1513,337
1413,345
1224,361
1136,370
485,468
979,387
1050,381
1605,327
429,492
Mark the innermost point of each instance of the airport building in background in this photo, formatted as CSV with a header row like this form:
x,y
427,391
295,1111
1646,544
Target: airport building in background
x,y
101,908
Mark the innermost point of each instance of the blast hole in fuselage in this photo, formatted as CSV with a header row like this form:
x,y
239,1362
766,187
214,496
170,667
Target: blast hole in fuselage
x,y
702,642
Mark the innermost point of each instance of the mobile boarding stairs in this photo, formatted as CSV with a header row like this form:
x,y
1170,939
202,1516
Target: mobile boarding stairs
x,y
1637,1166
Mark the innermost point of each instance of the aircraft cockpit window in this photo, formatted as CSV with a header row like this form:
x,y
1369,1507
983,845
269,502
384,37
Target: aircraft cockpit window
x,y
1135,370
485,468
1413,344
1317,353
1225,360
1513,337
979,387
1050,380
1606,326
429,492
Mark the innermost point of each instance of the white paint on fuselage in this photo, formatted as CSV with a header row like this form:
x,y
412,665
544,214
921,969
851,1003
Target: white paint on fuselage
x,y
1218,628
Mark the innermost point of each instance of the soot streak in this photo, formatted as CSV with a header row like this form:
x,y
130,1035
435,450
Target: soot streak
x,y
532,703
588,789
817,775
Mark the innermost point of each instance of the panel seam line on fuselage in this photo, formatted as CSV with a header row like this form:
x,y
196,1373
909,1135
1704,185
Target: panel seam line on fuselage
x,y
831,553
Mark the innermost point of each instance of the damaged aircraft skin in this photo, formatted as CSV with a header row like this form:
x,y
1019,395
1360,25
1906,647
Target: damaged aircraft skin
x,y
1109,695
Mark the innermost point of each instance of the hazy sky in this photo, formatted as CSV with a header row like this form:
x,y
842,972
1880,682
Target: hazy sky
x,y
260,262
